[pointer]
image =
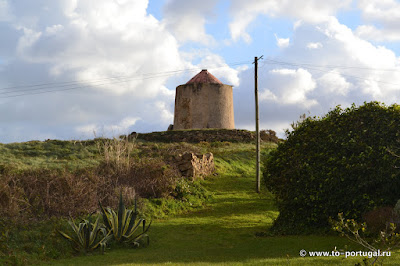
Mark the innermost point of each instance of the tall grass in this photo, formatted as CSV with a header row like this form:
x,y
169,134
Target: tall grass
x,y
116,151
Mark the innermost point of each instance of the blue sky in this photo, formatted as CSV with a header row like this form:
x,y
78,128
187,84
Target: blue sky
x,y
72,68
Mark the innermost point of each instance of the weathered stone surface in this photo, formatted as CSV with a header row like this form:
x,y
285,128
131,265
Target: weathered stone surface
x,y
204,102
195,166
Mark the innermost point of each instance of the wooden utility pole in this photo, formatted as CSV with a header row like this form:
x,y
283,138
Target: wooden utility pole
x,y
257,125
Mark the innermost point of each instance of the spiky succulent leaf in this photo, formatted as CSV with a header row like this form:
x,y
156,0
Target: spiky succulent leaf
x,y
105,219
94,232
133,230
86,235
73,240
87,227
132,221
121,214
122,224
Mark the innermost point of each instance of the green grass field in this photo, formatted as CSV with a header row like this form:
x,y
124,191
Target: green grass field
x,y
224,233
49,154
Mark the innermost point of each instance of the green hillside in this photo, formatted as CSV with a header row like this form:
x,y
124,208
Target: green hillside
x,y
227,224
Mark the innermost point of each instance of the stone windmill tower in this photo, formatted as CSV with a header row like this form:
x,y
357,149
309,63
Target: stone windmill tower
x,y
203,102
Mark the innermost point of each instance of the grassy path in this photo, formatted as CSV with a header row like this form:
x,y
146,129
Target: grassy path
x,y
224,233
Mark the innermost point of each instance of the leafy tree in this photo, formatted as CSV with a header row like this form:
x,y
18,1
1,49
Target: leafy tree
x,y
343,162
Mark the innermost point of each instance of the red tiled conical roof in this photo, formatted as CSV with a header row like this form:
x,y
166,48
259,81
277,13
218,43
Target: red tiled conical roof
x,y
204,77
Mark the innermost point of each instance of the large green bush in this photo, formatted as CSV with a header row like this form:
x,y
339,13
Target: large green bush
x,y
344,162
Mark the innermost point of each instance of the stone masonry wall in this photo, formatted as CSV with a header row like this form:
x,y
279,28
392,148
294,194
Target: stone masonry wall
x,y
195,166
207,135
203,105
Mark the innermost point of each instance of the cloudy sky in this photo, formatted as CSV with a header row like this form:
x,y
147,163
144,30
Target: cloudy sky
x,y
69,68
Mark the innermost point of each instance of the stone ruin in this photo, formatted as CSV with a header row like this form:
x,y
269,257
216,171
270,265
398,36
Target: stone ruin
x,y
195,166
203,102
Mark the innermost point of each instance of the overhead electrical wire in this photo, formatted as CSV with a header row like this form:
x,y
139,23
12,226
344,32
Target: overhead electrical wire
x,y
119,77
333,70
92,81
332,66
114,80
23,90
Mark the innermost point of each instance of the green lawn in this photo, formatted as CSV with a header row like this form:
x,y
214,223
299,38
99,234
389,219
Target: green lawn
x,y
224,233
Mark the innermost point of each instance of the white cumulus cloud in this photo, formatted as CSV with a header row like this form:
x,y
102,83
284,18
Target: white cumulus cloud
x,y
333,83
371,32
187,19
290,86
97,130
345,69
314,45
282,42
386,14
245,12
107,49
5,12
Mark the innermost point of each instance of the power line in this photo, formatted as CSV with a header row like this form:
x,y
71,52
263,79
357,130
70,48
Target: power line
x,y
332,66
119,80
73,85
119,77
70,83
93,80
33,91
41,88
306,66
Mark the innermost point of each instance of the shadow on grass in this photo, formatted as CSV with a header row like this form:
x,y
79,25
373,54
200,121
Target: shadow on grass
x,y
232,206
209,243
224,232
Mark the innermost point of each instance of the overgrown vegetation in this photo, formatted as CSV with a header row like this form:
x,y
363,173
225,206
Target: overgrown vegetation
x,y
224,233
143,170
40,194
195,228
343,162
46,188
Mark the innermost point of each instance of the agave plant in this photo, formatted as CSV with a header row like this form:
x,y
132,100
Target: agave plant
x,y
123,225
88,236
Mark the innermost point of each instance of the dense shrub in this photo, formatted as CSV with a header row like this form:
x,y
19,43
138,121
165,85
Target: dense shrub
x,y
343,162
268,136
44,193
153,178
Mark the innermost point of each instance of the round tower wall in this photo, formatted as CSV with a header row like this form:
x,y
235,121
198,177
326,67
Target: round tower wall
x,y
204,105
